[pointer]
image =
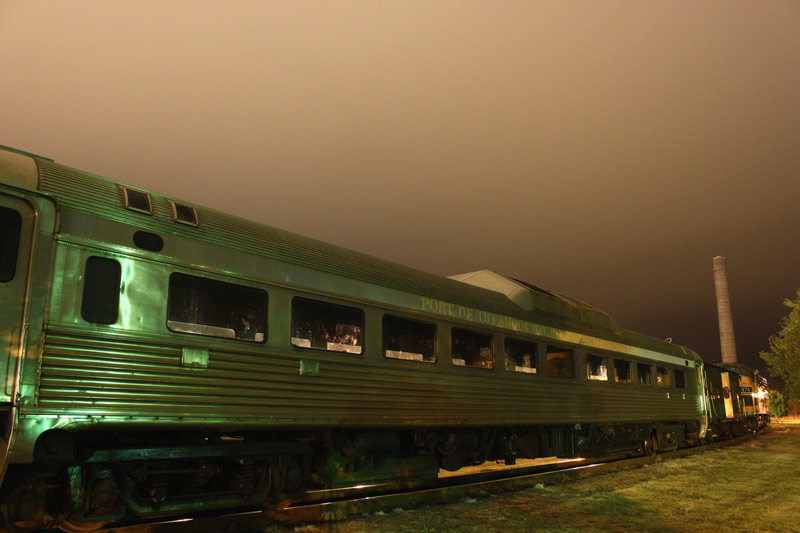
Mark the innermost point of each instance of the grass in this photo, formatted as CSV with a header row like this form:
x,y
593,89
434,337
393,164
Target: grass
x,y
754,486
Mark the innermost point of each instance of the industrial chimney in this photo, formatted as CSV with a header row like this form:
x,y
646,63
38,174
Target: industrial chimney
x,y
726,341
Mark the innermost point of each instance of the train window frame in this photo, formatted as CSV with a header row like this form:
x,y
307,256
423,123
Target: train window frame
x,y
512,363
682,379
216,297
617,379
596,376
662,371
10,236
551,365
100,295
639,366
405,355
473,335
303,304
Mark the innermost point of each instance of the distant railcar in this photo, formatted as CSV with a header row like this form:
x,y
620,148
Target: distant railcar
x,y
159,358
734,403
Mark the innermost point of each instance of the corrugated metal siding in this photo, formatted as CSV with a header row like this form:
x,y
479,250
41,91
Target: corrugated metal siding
x,y
92,194
86,376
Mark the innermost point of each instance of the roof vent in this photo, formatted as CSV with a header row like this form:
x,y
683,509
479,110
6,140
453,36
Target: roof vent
x,y
137,201
183,214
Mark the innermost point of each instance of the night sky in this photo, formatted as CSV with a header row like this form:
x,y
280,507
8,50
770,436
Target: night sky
x,y
605,150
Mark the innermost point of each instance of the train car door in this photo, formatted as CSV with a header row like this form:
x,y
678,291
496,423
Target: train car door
x,y
703,397
727,394
17,221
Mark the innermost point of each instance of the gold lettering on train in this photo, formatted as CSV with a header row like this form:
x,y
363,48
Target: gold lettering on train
x,y
475,315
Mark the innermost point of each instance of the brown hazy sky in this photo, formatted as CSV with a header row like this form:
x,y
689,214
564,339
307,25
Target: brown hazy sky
x,y
604,150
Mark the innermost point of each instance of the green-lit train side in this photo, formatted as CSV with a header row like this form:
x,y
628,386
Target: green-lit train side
x,y
159,358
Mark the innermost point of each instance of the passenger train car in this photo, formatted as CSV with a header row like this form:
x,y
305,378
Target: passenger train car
x,y
159,358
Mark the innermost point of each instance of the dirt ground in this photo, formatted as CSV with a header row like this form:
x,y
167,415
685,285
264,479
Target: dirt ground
x,y
754,486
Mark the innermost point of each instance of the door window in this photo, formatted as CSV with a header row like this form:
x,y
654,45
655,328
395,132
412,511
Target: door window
x,y
10,225
101,290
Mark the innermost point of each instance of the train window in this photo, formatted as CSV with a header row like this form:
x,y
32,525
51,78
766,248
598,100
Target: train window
x,y
521,356
100,301
643,371
622,371
10,226
596,367
137,201
471,348
203,306
325,326
680,379
409,339
662,376
148,241
560,362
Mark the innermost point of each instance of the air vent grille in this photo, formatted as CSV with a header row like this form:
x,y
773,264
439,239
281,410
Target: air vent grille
x,y
137,201
183,214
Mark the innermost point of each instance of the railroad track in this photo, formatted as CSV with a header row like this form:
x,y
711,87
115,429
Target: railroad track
x,y
338,504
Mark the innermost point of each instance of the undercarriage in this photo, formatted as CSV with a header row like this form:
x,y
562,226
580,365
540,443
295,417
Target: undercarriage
x,y
85,480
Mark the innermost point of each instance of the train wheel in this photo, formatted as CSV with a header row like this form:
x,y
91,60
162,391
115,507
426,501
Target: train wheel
x,y
650,446
24,510
287,482
647,447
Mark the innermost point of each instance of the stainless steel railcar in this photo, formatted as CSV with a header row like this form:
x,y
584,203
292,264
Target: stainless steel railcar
x,y
160,358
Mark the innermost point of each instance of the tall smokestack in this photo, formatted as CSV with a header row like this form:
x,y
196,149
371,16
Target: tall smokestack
x,y
726,341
